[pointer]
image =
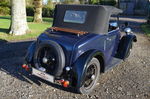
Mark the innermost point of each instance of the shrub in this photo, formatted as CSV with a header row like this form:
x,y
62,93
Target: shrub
x,y
4,7
68,2
30,11
109,2
148,20
46,11
93,2
106,2
4,10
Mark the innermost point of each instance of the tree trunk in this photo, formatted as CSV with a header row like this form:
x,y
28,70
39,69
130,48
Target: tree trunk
x,y
37,11
18,18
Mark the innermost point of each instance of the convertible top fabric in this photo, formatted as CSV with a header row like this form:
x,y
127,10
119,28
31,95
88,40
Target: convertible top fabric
x,y
97,18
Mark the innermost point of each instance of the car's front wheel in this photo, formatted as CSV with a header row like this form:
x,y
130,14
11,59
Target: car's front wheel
x,y
90,77
129,49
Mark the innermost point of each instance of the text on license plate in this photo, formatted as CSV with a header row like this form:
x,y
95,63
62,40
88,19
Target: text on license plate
x,y
42,75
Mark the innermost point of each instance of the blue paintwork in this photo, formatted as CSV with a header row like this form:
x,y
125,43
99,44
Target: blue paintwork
x,y
74,46
80,49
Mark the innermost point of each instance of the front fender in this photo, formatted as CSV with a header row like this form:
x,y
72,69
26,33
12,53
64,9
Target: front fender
x,y
124,44
131,37
79,67
30,52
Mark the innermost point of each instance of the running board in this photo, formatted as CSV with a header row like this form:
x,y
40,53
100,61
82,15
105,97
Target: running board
x,y
115,61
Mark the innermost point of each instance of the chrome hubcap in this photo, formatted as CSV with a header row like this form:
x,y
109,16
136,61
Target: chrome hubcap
x,y
45,60
93,77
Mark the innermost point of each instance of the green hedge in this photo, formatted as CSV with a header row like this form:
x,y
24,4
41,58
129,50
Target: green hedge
x,y
46,11
30,11
4,7
109,2
4,10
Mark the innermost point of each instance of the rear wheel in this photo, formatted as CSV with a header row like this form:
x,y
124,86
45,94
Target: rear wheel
x,y
91,76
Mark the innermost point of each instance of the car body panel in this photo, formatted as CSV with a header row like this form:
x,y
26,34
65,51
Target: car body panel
x,y
74,46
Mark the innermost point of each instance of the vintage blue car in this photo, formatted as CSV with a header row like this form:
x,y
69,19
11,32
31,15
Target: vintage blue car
x,y
83,42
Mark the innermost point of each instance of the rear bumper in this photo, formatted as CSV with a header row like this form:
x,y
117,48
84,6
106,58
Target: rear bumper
x,y
43,75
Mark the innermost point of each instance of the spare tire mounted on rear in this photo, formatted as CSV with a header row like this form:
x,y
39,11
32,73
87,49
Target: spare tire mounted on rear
x,y
50,56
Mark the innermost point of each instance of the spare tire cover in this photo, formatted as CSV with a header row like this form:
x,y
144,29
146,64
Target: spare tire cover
x,y
53,56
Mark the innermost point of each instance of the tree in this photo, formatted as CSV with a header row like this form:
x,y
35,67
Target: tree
x,y
37,11
29,2
18,18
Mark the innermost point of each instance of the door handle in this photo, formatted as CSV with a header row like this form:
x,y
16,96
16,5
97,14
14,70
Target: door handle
x,y
108,39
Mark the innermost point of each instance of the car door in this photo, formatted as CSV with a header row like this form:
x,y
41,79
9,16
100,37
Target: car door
x,y
111,44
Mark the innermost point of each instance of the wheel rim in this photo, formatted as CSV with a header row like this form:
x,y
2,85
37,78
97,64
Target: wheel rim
x,y
47,58
90,76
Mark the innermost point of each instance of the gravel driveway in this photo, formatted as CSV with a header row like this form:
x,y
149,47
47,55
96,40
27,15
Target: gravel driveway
x,y
128,80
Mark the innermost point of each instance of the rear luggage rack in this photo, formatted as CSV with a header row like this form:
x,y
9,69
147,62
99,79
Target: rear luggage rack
x,y
68,30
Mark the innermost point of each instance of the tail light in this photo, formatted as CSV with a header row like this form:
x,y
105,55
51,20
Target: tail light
x,y
26,67
64,83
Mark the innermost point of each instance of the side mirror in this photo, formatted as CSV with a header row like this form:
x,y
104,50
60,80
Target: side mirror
x,y
127,30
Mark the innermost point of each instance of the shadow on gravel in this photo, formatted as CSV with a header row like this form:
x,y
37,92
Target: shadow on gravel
x,y
11,60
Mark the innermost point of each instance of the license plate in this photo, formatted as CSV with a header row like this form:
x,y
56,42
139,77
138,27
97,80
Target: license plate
x,y
42,75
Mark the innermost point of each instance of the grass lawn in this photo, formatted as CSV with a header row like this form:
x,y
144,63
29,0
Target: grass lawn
x,y
36,28
146,29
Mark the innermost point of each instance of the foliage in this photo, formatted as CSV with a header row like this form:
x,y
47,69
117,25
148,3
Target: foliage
x,y
106,2
30,11
29,2
148,20
46,11
93,2
146,29
4,7
68,2
4,11
82,1
4,3
50,4
36,28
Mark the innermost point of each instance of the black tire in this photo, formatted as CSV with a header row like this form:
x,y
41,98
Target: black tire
x,y
84,89
54,51
129,48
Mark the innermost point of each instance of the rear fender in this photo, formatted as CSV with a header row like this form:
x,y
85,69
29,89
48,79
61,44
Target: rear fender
x,y
79,67
124,44
30,52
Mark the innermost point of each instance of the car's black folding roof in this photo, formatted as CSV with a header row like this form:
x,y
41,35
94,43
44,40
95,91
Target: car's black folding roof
x,y
97,19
